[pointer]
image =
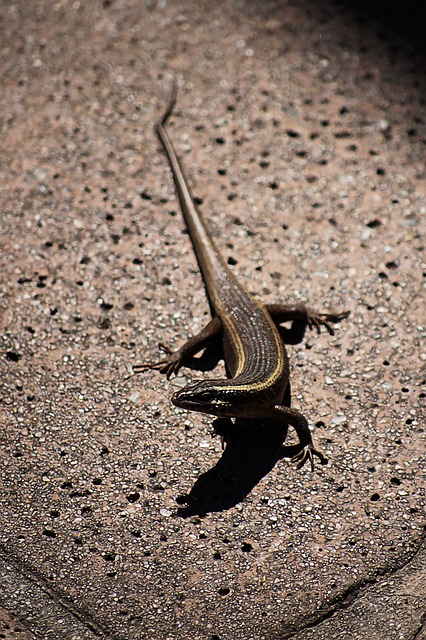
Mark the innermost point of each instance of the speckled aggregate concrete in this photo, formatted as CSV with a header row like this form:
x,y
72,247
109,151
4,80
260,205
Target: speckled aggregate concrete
x,y
302,131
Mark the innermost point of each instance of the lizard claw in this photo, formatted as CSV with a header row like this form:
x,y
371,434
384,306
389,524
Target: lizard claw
x,y
307,453
165,348
169,366
318,320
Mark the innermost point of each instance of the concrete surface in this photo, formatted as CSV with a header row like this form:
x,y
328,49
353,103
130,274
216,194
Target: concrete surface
x,y
302,130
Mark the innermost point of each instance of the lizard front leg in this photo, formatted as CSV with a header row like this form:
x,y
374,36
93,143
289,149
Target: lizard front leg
x,y
300,424
175,360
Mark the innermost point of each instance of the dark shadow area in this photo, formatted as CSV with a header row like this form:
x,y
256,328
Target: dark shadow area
x,y
407,20
399,25
252,450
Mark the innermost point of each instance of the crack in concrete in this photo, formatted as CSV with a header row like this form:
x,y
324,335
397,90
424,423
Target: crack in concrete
x,y
349,597
420,633
45,612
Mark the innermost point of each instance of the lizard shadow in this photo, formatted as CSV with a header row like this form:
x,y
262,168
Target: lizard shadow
x,y
253,447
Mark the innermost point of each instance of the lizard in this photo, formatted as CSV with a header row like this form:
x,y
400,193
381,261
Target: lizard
x,y
256,359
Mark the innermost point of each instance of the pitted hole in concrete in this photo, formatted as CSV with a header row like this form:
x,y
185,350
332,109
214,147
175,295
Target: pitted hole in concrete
x,y
342,135
133,497
231,261
55,513
405,390
375,497
373,224
220,140
78,542
217,555
80,494
246,547
49,533
395,481
85,511
106,306
222,172
104,451
136,533
224,591
13,356
392,264
41,281
273,185
96,481
66,485
109,557
292,133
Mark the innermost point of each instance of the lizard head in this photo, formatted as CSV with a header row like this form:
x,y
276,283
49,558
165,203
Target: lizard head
x,y
208,396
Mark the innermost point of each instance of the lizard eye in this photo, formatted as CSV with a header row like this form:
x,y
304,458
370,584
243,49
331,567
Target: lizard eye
x,y
206,395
